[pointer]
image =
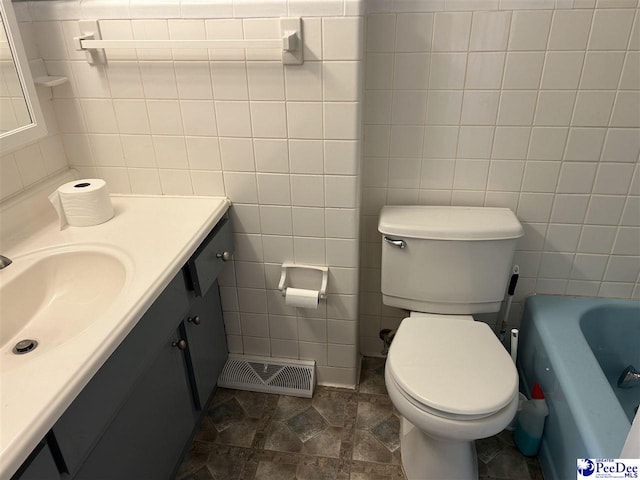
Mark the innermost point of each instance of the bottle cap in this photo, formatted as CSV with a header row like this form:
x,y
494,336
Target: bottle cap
x,y
536,393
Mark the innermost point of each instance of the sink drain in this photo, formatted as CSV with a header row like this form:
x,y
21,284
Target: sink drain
x,y
25,346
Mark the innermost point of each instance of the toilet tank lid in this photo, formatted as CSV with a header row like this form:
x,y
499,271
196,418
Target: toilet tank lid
x,y
449,223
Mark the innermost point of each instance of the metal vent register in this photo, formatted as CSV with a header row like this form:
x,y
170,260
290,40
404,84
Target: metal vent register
x,y
269,375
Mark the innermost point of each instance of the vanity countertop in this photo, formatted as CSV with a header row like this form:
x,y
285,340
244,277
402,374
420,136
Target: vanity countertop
x,y
155,235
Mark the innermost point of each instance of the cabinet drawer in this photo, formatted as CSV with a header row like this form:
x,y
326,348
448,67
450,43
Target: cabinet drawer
x,y
206,263
79,428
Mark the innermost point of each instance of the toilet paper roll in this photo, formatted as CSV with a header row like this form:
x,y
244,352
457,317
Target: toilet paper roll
x,y
82,203
301,298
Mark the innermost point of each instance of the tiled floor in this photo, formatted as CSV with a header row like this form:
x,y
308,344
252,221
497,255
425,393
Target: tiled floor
x,y
339,434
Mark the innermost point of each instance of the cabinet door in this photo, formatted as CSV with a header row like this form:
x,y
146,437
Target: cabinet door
x,y
147,437
39,466
204,330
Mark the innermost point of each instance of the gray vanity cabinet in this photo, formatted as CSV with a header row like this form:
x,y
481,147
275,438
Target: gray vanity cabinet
x,y
39,466
206,343
147,437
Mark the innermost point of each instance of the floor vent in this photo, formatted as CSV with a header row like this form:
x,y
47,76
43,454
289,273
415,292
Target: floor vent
x,y
269,375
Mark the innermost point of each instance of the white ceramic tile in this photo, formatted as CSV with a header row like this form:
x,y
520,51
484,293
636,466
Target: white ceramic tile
x,y
377,107
413,32
547,143
569,208
233,118
198,117
30,164
341,157
511,142
475,142
341,191
490,31
576,177
631,71
626,111
381,32
265,80
304,82
69,115
341,38
203,153
451,31
188,30
144,181
114,30
308,222
157,9
611,29
484,70
241,187
237,154
379,70
151,30
258,8
505,175
193,80
256,346
444,107
613,178
206,9
631,212
604,210
593,108
99,116
306,156
377,139
437,173
273,189
283,327
342,252
275,220
570,29
562,70
224,29
164,117
562,238
158,79
304,119
175,182
517,108
229,80
309,8
246,218
116,178
341,81
132,116
554,108
309,250
268,119
50,40
171,152
411,71
406,141
409,107
271,155
404,173
622,269
596,239
471,174
342,121
107,150
540,176
90,80
125,80
602,70
207,183
447,71
440,142
584,144
535,207
341,223
479,107
523,70
342,332
621,145
589,267
307,190
375,172
627,241
529,30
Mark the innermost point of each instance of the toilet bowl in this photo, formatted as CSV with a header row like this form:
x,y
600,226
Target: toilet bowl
x,y
453,383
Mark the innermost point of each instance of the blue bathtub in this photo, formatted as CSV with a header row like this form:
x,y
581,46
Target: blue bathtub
x,y
576,347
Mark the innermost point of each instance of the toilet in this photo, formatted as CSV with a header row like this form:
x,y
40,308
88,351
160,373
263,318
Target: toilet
x,y
448,375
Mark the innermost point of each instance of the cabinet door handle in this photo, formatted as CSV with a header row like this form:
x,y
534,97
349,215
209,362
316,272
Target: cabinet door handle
x,y
195,320
180,344
224,256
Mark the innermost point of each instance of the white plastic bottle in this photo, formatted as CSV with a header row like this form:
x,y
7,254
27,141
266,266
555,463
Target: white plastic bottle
x,y
530,423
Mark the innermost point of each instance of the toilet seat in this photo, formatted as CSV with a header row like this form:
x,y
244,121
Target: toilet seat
x,y
451,367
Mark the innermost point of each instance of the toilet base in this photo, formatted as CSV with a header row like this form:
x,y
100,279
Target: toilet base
x,y
428,458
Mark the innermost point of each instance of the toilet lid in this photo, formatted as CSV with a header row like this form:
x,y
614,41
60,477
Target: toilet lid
x,y
452,365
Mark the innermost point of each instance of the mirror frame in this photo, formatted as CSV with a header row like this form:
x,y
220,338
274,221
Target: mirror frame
x,y
14,139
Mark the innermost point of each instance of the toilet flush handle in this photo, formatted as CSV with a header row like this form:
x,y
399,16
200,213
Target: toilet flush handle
x,y
394,242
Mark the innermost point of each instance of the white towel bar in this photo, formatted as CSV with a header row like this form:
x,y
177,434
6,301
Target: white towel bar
x,y
290,42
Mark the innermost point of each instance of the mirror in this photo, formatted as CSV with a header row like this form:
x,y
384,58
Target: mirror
x,y
21,120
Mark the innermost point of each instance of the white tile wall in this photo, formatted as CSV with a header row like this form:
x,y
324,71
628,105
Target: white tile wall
x,y
283,143
525,105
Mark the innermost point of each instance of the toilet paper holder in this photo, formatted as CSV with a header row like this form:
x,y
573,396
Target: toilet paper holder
x,y
282,285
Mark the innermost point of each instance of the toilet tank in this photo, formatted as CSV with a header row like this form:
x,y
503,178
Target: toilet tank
x,y
451,260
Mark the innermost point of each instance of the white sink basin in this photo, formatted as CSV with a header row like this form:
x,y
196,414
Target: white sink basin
x,y
53,295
